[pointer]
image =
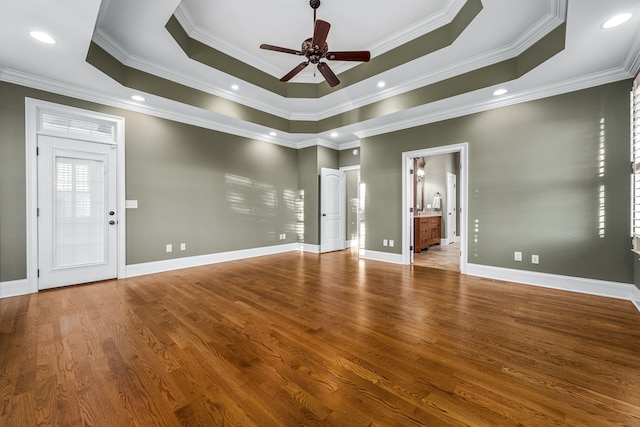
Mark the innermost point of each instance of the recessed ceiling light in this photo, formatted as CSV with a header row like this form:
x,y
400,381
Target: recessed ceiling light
x,y
138,98
617,20
42,37
334,134
272,133
235,87
381,84
499,92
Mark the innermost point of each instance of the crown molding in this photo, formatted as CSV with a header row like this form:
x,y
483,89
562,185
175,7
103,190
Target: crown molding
x,y
111,46
197,33
444,113
517,47
555,16
420,28
175,114
115,49
437,20
632,61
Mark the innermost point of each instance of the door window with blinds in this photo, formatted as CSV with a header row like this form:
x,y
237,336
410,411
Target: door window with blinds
x,y
635,161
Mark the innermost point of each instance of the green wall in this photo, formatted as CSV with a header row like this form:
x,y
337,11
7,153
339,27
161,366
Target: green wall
x,y
534,183
13,244
213,191
309,186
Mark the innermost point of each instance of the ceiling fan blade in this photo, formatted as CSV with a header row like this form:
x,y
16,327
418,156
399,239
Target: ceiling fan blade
x,y
351,55
280,49
320,33
295,71
329,76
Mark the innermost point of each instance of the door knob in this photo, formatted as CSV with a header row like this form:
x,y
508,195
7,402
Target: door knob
x,y
112,213
112,222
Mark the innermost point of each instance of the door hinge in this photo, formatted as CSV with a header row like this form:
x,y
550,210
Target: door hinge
x,y
37,151
411,248
38,272
37,211
410,210
410,171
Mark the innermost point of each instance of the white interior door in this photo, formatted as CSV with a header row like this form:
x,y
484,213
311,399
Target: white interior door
x,y
77,223
332,207
451,207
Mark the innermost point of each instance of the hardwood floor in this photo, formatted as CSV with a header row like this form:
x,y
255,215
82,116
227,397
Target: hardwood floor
x,y
306,339
444,257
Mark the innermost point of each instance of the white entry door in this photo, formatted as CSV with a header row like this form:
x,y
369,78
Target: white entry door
x,y
451,207
332,208
77,223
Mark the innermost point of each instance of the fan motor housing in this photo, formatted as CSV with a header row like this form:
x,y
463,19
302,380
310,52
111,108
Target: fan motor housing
x,y
314,4
313,55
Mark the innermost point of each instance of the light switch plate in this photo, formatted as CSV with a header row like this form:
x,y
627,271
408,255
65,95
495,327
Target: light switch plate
x,y
131,204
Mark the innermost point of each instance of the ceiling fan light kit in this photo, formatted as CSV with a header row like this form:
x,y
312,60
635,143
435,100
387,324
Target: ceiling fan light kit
x,y
315,49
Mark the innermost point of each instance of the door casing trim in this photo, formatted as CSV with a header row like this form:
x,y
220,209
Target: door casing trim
x,y
407,182
33,109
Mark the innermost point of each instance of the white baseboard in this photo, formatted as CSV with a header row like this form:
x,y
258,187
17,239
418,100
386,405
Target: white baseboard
x,y
14,288
196,261
603,288
306,247
635,298
352,243
381,256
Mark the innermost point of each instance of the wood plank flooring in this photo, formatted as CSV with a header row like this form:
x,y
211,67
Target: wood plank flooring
x,y
318,340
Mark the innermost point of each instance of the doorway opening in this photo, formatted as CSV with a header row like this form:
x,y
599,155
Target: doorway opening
x,y
422,207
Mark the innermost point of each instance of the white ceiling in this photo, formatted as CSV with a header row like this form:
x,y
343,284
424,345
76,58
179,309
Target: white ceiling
x,y
133,32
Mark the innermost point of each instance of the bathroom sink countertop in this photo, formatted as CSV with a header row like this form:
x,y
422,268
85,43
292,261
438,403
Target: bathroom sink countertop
x,y
428,213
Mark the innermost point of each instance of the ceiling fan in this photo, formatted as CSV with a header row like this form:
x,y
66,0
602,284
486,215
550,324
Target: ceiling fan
x,y
316,48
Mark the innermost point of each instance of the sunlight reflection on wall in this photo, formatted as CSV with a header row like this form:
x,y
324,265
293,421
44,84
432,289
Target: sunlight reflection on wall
x,y
275,210
363,231
601,173
299,206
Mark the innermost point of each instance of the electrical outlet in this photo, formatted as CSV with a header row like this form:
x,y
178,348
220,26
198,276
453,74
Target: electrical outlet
x,y
391,243
517,256
385,242
183,246
535,259
169,247
283,236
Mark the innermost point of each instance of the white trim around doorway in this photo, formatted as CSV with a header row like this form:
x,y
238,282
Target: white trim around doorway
x,y
463,149
33,111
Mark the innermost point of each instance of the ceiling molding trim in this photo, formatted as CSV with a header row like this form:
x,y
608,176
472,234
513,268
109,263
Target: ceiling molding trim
x,y
632,61
58,88
202,52
420,28
539,30
478,78
113,48
448,72
197,33
350,145
444,113
535,33
431,23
